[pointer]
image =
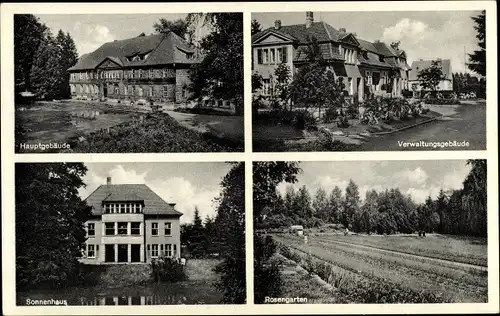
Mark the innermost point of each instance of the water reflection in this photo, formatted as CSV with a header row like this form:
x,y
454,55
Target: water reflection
x,y
135,300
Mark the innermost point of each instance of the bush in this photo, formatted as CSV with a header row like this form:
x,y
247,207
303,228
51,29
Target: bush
x,y
407,93
442,101
167,270
267,270
330,115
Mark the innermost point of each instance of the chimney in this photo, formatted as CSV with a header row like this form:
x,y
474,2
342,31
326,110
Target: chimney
x,y
342,30
354,34
277,24
108,180
309,19
377,41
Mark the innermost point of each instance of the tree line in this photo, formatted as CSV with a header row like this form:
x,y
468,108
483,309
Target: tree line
x,y
41,59
461,211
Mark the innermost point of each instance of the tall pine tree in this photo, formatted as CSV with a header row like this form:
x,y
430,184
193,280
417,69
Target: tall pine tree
x,y
50,217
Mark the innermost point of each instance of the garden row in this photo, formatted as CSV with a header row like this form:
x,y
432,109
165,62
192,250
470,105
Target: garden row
x,y
402,274
353,286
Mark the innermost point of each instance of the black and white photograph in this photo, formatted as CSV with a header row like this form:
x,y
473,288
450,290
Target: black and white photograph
x,y
130,233
118,83
368,81
346,232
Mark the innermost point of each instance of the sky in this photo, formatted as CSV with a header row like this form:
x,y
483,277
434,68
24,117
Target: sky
x,y
186,183
418,178
89,31
423,34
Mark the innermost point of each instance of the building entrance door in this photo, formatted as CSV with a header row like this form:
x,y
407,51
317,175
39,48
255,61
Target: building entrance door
x,y
135,253
105,90
109,253
122,253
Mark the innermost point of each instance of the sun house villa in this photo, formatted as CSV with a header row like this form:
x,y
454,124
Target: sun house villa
x,y
130,224
365,66
151,67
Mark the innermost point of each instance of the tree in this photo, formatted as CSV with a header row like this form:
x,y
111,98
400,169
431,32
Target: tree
x,y
179,27
477,60
369,212
474,199
256,27
351,203
197,236
266,177
335,205
220,74
69,57
50,217
45,75
320,205
302,207
315,83
395,45
430,77
29,33
282,84
230,225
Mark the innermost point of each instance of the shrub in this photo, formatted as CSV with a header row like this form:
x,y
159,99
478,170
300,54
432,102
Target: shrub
x,y
330,115
167,270
267,270
442,101
407,93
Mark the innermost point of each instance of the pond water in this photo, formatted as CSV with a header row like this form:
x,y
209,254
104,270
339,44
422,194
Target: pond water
x,y
188,292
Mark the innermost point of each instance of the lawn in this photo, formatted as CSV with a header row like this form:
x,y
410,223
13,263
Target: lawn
x,y
393,277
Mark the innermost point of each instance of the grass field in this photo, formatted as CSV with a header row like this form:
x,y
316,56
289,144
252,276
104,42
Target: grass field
x,y
396,269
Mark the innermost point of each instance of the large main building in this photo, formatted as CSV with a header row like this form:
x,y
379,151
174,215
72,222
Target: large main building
x,y
151,67
130,223
365,66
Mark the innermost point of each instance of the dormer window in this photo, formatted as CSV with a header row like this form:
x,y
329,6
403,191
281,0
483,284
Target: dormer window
x,y
189,55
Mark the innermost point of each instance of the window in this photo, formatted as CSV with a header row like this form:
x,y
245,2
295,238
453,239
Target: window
x,y
154,251
117,89
168,250
175,250
91,229
110,228
272,56
259,56
266,56
165,91
150,91
151,73
135,228
284,55
122,228
154,229
125,90
90,251
168,229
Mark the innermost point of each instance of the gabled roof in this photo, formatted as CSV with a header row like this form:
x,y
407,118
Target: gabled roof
x,y
153,204
162,49
322,31
418,65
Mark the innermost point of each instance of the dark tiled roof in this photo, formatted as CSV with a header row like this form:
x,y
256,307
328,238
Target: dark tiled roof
x,y
153,204
162,49
418,65
326,33
322,31
327,51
